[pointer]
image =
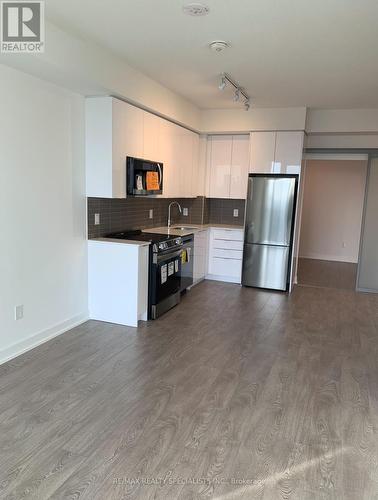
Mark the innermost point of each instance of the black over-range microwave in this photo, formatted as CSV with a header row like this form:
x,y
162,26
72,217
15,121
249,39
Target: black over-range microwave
x,y
144,177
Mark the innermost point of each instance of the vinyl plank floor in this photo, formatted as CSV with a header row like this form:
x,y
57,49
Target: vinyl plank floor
x,y
327,273
236,393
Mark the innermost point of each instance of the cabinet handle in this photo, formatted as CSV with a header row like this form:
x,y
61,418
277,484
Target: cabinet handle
x,y
226,258
160,176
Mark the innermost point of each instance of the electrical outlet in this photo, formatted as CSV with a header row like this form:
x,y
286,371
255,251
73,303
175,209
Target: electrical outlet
x,y
151,213
185,212
18,312
97,219
236,212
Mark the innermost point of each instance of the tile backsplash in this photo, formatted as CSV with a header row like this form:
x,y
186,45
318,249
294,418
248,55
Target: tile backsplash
x,y
221,211
133,213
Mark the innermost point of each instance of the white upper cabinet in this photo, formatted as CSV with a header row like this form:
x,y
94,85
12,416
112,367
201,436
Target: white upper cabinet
x,y
176,149
151,124
185,163
99,147
167,154
198,167
289,151
276,152
263,145
127,141
229,160
239,166
115,130
220,166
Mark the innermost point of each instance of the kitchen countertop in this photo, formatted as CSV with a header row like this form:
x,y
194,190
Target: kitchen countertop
x,y
121,242
197,227
165,230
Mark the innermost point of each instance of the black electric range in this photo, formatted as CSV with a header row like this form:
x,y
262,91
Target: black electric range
x,y
164,281
163,242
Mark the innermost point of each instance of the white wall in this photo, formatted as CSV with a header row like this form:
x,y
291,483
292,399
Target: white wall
x,y
332,209
256,119
343,141
90,69
342,121
43,256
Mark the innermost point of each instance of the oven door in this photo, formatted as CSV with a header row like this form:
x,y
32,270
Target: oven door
x,y
165,282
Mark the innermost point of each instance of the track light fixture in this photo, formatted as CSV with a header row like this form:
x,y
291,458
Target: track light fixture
x,y
239,92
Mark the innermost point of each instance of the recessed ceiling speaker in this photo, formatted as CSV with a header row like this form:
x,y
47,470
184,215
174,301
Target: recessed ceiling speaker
x,y
196,9
218,45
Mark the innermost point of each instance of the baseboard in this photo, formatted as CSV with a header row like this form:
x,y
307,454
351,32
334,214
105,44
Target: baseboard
x,y
334,258
40,338
226,279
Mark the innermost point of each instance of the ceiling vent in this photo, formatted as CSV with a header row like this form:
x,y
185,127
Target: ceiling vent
x,y
218,45
196,9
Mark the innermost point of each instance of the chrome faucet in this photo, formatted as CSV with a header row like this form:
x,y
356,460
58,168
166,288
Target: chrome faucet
x,y
169,210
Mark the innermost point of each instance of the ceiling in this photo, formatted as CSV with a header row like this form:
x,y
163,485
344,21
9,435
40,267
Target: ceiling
x,y
320,54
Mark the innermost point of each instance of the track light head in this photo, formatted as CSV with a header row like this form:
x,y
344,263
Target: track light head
x,y
247,105
222,83
237,95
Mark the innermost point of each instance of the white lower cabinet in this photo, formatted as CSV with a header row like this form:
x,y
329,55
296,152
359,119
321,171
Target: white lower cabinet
x,y
117,281
201,243
225,255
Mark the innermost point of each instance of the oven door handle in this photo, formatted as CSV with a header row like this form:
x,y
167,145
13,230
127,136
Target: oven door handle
x,y
168,256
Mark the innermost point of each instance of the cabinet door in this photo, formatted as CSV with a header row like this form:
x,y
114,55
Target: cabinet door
x,y
220,166
198,173
99,146
127,129
225,255
151,125
288,152
176,161
165,148
262,152
239,166
200,255
185,163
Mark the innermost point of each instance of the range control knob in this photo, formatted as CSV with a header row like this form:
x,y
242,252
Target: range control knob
x,y
178,241
162,246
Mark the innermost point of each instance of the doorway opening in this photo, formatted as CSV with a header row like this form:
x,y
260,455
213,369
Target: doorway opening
x,y
333,203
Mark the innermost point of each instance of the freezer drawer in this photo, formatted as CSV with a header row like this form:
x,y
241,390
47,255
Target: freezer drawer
x,y
265,266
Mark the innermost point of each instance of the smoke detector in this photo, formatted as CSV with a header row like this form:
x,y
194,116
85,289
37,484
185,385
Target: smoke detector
x,y
218,45
196,9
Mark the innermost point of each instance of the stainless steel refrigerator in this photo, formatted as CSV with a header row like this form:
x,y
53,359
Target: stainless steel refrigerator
x,y
269,227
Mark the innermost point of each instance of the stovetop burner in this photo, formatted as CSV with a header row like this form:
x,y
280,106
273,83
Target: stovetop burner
x,y
163,241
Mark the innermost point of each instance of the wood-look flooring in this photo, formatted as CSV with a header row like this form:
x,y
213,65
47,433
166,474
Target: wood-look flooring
x,y
327,273
234,394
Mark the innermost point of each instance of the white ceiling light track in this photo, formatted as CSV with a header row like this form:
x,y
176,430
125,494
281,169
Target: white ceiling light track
x,y
240,93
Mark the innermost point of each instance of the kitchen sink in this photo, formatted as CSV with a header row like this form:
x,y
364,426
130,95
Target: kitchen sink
x,y
184,228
